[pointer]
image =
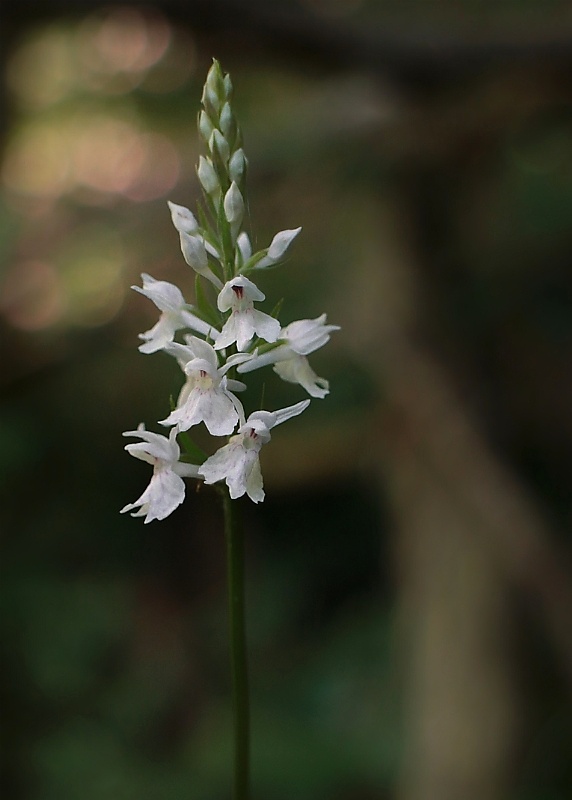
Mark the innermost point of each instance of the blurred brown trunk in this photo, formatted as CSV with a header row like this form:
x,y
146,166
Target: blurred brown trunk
x,y
466,535
455,621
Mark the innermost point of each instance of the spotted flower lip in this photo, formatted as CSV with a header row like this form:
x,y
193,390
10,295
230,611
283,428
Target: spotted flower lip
x,y
205,396
175,315
166,490
239,295
237,463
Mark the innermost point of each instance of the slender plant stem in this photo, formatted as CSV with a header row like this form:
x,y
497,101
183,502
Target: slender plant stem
x,y
241,713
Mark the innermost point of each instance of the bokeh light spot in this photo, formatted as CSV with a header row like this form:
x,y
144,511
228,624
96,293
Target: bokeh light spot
x,y
37,163
119,45
31,296
41,71
92,268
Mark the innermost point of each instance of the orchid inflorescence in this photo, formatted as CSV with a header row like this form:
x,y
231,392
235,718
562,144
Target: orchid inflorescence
x,y
221,338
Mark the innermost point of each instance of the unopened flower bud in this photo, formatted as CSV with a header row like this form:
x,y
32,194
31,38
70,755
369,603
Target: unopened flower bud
x,y
183,219
208,177
278,247
227,87
214,91
194,252
210,100
205,126
227,122
244,249
218,144
233,205
237,166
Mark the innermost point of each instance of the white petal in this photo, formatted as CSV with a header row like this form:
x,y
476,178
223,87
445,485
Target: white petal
x,y
254,483
197,324
202,349
188,414
219,414
161,334
141,513
218,466
291,411
157,445
186,470
186,389
244,326
234,464
270,357
298,370
236,386
237,358
306,335
165,492
228,334
165,295
140,450
265,326
239,476
212,407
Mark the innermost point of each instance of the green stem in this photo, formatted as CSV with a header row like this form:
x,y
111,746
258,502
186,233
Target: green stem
x,y
241,714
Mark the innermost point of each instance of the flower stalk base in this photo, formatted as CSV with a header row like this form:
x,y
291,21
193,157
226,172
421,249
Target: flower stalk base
x,y
236,595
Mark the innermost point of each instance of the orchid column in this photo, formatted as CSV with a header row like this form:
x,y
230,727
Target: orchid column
x,y
223,335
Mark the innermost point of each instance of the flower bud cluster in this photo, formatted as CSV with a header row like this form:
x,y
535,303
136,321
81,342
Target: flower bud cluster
x,y
224,336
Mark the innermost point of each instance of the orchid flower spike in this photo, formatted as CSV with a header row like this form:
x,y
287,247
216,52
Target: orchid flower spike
x,y
245,321
166,490
175,315
237,463
225,336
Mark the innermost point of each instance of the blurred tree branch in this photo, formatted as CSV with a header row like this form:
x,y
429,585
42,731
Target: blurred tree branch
x,y
417,54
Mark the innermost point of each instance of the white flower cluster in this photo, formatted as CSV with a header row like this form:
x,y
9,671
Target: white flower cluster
x,y
222,337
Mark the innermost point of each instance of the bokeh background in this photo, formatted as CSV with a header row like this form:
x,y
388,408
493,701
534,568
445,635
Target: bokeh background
x,y
409,575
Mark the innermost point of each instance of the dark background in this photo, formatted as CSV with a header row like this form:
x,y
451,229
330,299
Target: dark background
x,y
409,576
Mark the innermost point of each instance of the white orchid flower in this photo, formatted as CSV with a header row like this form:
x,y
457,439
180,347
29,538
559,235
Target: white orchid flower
x,y
299,339
175,315
245,321
205,396
166,490
237,463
